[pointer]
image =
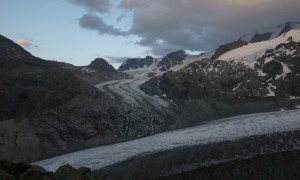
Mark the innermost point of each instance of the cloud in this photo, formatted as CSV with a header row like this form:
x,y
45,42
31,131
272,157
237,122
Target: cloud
x,y
121,17
113,59
93,5
196,25
26,44
204,24
93,22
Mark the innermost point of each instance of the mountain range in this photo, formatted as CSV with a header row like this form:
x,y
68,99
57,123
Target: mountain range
x,y
48,108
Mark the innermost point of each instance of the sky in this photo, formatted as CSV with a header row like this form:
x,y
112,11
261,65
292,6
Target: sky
x,y
78,31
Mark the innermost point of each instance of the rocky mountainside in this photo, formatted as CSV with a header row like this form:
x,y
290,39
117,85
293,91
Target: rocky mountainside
x,y
136,63
47,110
240,78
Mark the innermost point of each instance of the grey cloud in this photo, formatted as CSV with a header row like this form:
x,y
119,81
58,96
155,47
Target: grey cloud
x,y
94,5
198,25
204,24
93,22
163,50
120,18
113,59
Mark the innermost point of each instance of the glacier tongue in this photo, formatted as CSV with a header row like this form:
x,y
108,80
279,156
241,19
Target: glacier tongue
x,y
216,131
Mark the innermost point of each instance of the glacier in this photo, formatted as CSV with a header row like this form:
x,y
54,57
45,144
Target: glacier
x,y
228,129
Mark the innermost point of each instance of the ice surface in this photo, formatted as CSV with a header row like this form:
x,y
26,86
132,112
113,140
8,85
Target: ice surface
x,y
216,131
129,90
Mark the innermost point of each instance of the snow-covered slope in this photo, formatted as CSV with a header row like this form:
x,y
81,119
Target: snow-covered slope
x,y
248,54
217,131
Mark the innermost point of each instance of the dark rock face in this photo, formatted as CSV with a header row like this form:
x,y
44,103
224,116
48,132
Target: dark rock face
x,y
136,63
172,59
227,47
272,68
260,37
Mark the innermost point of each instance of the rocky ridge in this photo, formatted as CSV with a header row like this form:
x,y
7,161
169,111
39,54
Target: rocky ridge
x,y
96,72
135,63
156,66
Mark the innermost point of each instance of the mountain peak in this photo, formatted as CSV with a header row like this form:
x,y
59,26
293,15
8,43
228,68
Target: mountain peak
x,y
135,63
100,64
172,59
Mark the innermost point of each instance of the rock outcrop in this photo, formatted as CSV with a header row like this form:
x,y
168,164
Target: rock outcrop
x,y
14,171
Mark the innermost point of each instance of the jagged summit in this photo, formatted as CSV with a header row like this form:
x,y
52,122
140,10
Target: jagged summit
x,y
137,66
